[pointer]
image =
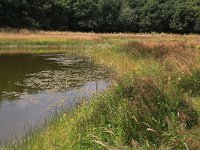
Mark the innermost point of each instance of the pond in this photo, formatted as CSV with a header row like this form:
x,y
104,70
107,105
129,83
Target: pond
x,y
34,86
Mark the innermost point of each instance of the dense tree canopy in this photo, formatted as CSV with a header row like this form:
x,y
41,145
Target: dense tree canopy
x,y
179,16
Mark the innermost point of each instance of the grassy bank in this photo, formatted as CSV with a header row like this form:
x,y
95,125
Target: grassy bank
x,y
154,105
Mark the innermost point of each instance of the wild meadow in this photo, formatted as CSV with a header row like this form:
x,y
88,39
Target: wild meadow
x,y
153,103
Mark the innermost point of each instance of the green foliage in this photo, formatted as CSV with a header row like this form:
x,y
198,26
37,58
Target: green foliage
x,y
197,22
155,16
61,13
191,83
184,17
128,19
109,12
85,13
137,112
102,15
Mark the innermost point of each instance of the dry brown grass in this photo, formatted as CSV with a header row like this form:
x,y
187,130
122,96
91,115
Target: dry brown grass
x,y
48,35
180,55
26,34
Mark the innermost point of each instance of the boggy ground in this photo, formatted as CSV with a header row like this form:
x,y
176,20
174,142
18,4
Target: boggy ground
x,y
154,105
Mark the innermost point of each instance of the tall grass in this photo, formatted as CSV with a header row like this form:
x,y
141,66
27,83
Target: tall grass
x,y
150,107
137,114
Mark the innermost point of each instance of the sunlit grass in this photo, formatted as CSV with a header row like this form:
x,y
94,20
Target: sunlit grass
x,y
155,104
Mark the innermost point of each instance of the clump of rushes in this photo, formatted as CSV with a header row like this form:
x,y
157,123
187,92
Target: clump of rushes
x,y
190,83
137,114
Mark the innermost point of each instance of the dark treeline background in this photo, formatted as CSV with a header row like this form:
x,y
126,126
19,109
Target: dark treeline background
x,y
178,16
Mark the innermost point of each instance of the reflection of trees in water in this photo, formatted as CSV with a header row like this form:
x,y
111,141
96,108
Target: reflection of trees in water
x,y
28,74
13,68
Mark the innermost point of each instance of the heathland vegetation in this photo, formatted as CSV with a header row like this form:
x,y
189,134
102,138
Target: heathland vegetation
x,y
177,16
154,102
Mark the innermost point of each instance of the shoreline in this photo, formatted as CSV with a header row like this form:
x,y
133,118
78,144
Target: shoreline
x,y
156,98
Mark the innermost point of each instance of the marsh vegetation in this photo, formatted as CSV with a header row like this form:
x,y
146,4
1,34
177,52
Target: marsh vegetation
x,y
154,103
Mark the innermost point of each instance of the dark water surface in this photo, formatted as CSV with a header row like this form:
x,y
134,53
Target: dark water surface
x,y
33,86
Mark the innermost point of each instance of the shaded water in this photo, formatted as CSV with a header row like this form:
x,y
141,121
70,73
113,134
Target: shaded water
x,y
32,86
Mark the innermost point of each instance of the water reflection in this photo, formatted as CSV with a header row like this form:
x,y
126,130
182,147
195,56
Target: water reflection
x,y
33,85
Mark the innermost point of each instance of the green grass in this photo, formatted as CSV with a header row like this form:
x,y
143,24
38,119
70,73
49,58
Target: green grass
x,y
51,43
154,105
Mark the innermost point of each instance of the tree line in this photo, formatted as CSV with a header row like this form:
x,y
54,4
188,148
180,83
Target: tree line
x,y
177,16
